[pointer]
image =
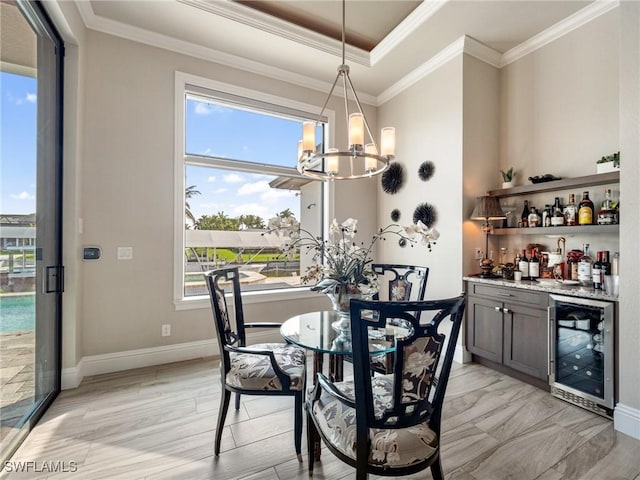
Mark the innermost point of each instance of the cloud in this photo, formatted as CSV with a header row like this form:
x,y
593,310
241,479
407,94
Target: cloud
x,y
276,194
233,178
22,196
28,98
203,109
253,188
251,209
211,178
220,190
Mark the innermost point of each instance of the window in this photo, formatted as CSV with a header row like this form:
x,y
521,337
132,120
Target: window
x,y
236,156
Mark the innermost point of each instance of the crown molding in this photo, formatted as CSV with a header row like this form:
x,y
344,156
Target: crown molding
x,y
482,52
158,40
405,28
443,56
563,27
275,26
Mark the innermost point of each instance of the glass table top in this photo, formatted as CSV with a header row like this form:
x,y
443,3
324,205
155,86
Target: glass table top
x,y
323,332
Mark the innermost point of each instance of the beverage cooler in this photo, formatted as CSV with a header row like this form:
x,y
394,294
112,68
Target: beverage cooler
x,y
582,352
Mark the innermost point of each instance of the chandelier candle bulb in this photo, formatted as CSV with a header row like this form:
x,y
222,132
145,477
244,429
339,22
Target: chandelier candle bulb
x,y
309,136
300,149
356,129
371,163
332,162
388,141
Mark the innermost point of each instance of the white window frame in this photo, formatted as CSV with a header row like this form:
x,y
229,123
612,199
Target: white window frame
x,y
182,83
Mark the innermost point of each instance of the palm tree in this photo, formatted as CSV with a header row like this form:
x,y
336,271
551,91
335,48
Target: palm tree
x,y
189,192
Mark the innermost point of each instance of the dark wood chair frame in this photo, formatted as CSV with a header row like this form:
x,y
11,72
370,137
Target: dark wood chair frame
x,y
411,276
428,408
235,341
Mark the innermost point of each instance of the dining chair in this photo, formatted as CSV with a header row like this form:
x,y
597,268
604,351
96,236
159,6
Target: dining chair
x,y
258,369
398,283
389,425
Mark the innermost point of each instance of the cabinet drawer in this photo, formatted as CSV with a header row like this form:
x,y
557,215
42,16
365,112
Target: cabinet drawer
x,y
511,294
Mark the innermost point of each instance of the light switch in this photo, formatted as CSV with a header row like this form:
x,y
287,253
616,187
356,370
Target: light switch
x,y
125,253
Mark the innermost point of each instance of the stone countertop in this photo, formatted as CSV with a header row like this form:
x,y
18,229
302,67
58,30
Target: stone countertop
x,y
569,290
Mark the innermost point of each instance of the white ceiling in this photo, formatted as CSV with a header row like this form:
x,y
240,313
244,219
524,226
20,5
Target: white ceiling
x,y
399,36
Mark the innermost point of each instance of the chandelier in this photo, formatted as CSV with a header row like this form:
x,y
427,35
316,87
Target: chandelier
x,y
360,159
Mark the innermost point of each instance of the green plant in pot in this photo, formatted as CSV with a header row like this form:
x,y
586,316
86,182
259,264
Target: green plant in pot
x,y
507,177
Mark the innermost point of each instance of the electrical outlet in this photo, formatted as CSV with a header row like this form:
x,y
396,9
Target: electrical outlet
x,y
479,253
166,330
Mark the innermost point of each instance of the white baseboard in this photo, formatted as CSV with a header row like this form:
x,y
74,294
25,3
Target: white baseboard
x,y
627,420
147,357
461,355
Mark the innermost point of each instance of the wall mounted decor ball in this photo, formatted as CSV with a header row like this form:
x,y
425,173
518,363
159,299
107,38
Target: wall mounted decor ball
x,y
395,215
426,170
393,178
426,213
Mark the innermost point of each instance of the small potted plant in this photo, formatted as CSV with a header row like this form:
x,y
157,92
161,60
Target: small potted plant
x,y
609,163
507,177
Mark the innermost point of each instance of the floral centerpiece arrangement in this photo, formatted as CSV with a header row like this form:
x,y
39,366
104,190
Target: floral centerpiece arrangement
x,y
342,267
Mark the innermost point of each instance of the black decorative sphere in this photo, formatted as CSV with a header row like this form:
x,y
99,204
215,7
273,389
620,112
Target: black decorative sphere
x,y
393,178
426,170
395,215
426,213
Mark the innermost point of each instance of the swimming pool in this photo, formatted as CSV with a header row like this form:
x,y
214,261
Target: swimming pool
x,y
17,313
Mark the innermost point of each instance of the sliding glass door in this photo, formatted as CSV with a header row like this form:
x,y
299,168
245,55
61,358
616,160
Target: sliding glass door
x,y
31,276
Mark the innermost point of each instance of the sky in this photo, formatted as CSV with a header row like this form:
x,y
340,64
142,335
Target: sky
x,y
17,143
214,130
211,130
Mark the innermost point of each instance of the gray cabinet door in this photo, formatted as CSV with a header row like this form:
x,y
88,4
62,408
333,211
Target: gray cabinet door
x,y
484,328
525,339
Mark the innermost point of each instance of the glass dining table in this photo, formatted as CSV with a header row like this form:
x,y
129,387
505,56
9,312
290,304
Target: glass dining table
x,y
326,332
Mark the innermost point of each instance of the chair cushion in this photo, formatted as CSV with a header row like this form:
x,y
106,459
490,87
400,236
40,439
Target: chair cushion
x,y
392,448
254,372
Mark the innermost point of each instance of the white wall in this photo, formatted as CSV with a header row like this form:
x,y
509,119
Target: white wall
x,y
481,117
629,329
127,187
428,121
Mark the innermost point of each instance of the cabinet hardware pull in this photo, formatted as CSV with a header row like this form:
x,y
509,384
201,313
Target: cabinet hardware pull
x,y
498,309
504,294
506,310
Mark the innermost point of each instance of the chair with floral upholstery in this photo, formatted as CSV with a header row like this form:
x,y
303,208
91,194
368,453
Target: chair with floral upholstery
x,y
389,425
398,283
259,369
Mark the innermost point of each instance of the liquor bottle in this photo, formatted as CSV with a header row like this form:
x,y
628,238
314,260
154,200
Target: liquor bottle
x,y
584,266
523,264
534,265
607,215
596,272
534,218
605,268
557,218
571,211
524,218
585,210
546,216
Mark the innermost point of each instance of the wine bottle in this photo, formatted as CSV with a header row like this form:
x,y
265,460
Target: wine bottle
x,y
585,210
571,212
534,265
524,218
534,218
584,266
546,216
596,272
523,265
557,218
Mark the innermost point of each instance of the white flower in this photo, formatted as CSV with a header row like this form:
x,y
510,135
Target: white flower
x,y
349,227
